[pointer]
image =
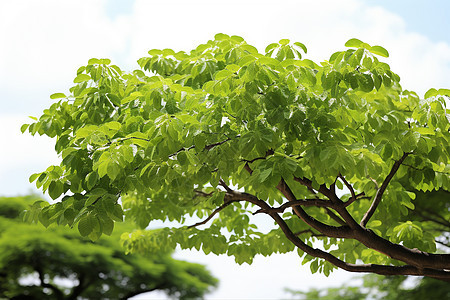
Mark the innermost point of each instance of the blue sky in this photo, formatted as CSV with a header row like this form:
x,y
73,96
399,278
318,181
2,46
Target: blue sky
x,y
430,18
44,42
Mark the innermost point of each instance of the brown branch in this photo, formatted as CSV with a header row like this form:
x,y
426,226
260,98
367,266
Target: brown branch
x,y
367,237
268,153
203,194
207,147
212,214
349,186
293,203
331,231
322,189
335,217
310,231
367,268
380,191
225,186
357,197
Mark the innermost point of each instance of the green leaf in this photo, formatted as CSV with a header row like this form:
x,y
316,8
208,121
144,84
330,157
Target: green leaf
x,y
57,96
107,226
431,93
302,46
353,43
81,78
271,47
379,51
33,177
55,189
264,174
24,127
84,226
284,41
91,179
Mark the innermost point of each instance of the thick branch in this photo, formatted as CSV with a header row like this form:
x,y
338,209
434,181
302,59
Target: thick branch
x,y
309,231
331,231
355,231
380,191
369,268
335,217
330,194
293,203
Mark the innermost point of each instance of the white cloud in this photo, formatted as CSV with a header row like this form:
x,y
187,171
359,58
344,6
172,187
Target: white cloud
x,y
44,42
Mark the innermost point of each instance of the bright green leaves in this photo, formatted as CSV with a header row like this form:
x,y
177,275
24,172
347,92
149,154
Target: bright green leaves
x,y
283,50
355,43
411,235
57,96
378,50
112,162
433,93
81,78
166,139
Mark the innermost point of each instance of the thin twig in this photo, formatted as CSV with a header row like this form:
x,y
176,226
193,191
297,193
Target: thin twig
x,y
211,215
348,185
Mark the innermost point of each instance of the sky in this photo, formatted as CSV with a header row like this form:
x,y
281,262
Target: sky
x,y
42,43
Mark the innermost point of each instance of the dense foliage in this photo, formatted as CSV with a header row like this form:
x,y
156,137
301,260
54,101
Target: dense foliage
x,y
334,153
377,287
58,263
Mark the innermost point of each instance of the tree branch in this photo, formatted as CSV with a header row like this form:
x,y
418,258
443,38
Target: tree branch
x,y
310,231
331,231
380,191
212,214
225,186
357,197
335,217
349,186
293,203
372,268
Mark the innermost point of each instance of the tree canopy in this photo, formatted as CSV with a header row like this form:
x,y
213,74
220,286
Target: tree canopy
x,y
58,263
335,153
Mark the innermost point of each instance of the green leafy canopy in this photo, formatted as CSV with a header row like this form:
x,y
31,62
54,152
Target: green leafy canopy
x,y
90,270
224,132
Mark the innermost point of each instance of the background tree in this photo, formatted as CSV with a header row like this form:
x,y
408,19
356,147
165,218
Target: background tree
x,y
333,153
36,263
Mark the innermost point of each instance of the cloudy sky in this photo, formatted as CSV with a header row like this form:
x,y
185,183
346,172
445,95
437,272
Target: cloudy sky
x,y
42,43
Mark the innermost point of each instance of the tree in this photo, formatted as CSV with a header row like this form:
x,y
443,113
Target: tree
x,y
58,263
334,153
381,287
